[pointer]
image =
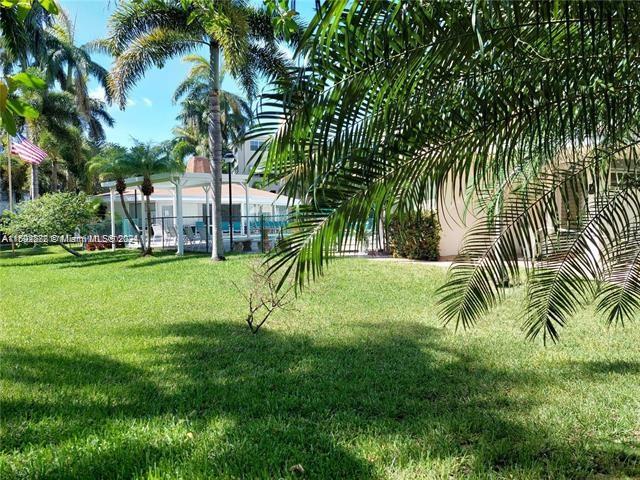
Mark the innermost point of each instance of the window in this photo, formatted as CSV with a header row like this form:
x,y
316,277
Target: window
x,y
254,145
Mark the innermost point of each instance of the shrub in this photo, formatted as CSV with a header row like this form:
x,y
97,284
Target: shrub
x,y
415,235
53,216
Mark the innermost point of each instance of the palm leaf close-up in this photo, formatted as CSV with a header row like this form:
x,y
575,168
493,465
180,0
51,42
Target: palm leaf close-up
x,y
521,115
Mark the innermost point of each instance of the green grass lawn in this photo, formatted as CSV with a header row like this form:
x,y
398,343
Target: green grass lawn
x,y
114,366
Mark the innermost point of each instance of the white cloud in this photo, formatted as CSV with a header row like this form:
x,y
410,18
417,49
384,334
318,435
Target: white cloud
x,y
98,93
147,102
131,102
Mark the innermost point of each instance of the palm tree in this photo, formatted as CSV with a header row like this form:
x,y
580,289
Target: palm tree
x,y
525,108
71,66
58,124
145,34
23,34
145,160
189,141
193,94
42,43
61,126
113,163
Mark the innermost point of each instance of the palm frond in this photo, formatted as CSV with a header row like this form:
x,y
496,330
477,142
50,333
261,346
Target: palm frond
x,y
471,100
150,49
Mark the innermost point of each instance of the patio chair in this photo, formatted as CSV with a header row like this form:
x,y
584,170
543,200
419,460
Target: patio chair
x,y
189,235
201,231
156,232
170,234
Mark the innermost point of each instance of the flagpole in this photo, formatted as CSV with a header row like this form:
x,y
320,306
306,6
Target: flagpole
x,y
9,172
13,244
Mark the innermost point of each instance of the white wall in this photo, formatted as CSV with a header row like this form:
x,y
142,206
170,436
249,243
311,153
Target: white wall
x,y
455,222
244,154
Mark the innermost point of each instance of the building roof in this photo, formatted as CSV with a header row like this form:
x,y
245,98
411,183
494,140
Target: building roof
x,y
193,184
197,195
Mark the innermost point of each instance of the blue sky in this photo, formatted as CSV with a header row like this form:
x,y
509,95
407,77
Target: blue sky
x,y
150,115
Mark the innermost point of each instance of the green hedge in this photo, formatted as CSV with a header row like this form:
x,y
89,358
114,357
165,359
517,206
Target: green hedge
x,y
415,235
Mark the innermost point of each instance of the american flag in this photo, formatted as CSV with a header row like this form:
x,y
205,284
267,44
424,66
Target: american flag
x,y
26,150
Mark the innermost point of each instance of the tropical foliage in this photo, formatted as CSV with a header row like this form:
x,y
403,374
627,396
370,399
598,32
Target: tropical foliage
x,y
146,34
52,217
145,160
522,111
47,99
114,163
193,95
11,105
72,67
415,235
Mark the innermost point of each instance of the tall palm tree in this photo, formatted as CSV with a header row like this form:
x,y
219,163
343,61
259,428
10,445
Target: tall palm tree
x,y
146,34
193,94
58,124
61,125
525,108
72,67
113,163
23,34
42,43
145,160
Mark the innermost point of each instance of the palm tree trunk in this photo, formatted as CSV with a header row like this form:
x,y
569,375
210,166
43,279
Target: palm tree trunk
x,y
133,224
148,203
69,86
215,151
70,182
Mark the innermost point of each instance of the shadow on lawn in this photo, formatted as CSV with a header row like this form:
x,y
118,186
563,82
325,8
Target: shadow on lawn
x,y
66,260
286,400
165,258
612,367
91,259
22,252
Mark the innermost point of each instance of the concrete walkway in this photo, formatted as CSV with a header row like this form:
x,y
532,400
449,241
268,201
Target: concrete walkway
x,y
441,263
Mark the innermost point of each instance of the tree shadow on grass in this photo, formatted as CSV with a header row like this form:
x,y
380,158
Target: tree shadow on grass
x,y
22,252
166,258
91,259
66,260
619,367
67,391
255,405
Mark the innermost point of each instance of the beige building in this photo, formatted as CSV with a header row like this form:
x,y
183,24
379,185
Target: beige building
x,y
247,154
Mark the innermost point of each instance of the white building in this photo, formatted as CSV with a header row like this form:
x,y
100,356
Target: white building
x,y
181,208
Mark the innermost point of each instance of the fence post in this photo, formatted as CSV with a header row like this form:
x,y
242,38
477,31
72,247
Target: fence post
x,y
206,227
162,232
262,231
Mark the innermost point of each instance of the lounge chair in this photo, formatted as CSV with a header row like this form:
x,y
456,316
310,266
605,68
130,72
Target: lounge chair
x,y
201,231
170,234
189,235
156,231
